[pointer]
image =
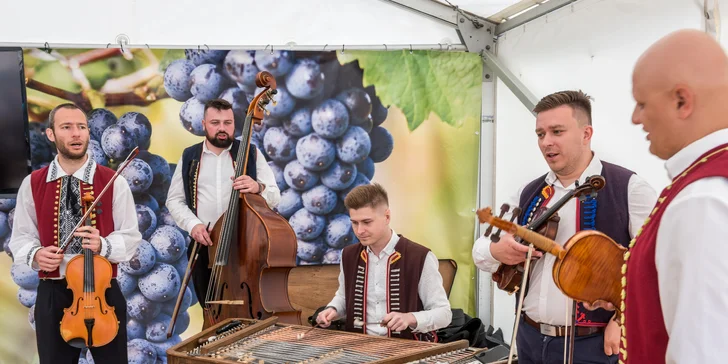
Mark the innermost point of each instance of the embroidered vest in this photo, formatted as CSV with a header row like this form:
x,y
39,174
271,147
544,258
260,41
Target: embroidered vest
x,y
643,325
191,169
47,198
404,269
608,213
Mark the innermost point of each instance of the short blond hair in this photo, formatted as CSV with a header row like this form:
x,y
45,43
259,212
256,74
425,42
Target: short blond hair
x,y
369,195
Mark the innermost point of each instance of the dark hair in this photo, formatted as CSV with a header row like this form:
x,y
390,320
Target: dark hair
x,y
371,195
68,105
578,100
218,104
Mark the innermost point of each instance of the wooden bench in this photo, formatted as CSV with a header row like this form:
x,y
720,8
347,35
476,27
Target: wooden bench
x,y
313,286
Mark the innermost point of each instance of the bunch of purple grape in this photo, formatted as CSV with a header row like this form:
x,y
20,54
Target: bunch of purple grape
x,y
151,280
321,139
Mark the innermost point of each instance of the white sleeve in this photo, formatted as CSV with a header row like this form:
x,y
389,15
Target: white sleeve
x,y
482,256
177,203
24,239
641,199
437,313
265,175
339,300
122,243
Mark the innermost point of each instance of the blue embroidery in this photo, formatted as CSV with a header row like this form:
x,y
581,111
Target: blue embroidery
x,y
589,213
531,210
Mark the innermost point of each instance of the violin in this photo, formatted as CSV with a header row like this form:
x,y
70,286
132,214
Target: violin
x,y
546,223
89,321
254,247
587,267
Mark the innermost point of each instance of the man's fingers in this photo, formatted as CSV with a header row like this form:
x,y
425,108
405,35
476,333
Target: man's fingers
x,y
520,248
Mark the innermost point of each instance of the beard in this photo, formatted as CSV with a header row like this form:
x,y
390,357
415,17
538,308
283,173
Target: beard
x,y
218,142
68,154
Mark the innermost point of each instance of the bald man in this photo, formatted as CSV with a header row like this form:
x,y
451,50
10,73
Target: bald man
x,y
676,286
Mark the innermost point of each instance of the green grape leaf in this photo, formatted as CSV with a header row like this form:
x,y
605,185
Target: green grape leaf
x,y
448,84
169,57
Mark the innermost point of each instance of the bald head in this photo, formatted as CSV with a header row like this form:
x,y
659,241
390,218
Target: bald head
x,y
681,87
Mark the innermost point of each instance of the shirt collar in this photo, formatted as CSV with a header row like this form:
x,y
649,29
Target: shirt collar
x,y
205,149
686,156
85,173
389,248
594,168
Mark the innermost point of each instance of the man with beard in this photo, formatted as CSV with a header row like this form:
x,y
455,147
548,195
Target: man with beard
x,y
204,179
48,208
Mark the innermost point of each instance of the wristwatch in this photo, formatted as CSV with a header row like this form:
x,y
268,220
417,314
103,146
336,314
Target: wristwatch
x,y
261,187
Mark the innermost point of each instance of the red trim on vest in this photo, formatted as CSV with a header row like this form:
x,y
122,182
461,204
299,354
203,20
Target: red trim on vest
x,y
44,197
363,256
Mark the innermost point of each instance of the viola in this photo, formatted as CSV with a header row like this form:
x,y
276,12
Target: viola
x,y
89,321
546,222
254,248
587,267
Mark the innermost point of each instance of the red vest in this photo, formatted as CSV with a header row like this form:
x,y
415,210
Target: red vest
x,y
46,196
404,269
643,325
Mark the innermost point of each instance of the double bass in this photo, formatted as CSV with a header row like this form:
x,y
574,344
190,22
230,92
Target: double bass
x,y
254,248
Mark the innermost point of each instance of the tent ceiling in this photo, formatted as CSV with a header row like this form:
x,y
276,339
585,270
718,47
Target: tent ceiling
x,y
494,10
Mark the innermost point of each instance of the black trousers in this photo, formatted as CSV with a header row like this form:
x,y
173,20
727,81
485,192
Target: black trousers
x,y
535,348
200,273
53,297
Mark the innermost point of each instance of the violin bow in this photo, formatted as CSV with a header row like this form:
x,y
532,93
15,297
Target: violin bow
x,y
185,281
67,240
591,185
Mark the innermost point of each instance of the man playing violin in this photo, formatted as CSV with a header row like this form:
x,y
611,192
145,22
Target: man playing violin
x,y
203,182
48,207
564,130
388,284
675,302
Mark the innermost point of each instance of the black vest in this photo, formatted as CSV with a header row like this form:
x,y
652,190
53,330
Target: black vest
x,y
608,213
191,168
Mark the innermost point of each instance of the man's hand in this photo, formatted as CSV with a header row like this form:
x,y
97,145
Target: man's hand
x,y
398,321
90,238
611,338
201,235
325,317
509,251
599,304
47,258
245,184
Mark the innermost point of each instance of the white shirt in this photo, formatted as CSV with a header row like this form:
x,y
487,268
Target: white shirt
x,y
436,314
119,246
692,270
544,302
214,187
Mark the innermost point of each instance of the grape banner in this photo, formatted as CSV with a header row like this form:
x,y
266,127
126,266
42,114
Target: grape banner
x,y
408,120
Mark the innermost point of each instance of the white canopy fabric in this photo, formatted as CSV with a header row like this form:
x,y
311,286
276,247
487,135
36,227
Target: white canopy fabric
x,y
239,23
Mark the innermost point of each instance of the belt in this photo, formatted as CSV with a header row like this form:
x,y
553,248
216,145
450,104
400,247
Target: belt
x,y
551,330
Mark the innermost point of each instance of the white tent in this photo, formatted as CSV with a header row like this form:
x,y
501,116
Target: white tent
x,y
530,48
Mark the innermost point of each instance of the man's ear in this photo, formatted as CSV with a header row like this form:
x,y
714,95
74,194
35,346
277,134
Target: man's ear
x,y
684,101
50,135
